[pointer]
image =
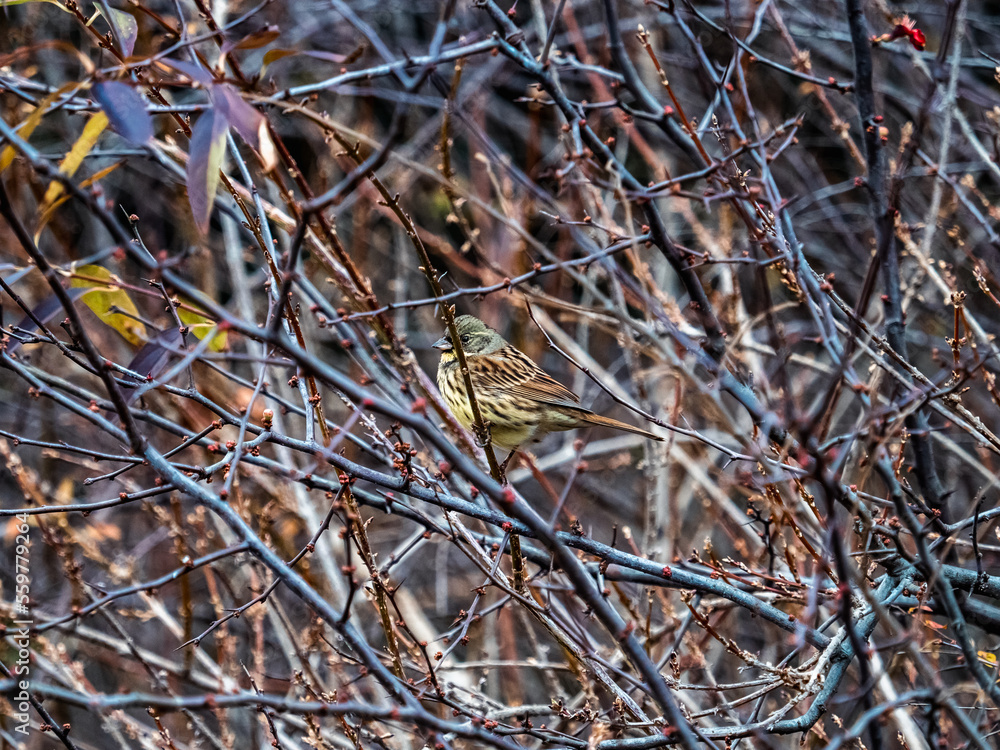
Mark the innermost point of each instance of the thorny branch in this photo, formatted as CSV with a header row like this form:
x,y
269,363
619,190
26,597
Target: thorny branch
x,y
234,498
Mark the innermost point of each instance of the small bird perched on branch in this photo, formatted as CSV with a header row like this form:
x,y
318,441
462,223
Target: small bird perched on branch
x,y
519,401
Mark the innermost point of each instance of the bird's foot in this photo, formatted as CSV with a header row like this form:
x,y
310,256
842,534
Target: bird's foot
x,y
483,438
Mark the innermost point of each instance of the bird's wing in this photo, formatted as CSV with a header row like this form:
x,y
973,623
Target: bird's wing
x,y
509,372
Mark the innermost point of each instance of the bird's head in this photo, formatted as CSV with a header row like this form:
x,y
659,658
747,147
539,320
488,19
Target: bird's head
x,y
475,337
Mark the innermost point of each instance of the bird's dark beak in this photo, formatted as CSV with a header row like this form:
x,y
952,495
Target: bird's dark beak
x,y
443,344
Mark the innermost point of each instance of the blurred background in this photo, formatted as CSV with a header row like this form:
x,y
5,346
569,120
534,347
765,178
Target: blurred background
x,y
682,210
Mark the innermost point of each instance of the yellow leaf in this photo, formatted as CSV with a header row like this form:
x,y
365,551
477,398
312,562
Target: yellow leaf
x,y
4,3
100,175
201,327
988,658
274,55
104,296
83,146
31,122
48,211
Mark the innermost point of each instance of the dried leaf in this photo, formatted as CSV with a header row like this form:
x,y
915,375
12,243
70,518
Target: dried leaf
x,y
254,40
208,143
126,109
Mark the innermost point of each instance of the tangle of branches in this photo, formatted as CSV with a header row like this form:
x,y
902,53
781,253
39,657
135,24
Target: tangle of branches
x,y
236,511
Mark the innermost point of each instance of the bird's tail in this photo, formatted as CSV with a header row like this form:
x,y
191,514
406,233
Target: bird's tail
x,y
597,419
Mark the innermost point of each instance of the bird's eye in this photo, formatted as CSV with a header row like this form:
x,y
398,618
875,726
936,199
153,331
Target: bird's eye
x,y
465,339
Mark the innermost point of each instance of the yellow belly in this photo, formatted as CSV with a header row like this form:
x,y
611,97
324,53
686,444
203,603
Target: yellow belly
x,y
509,426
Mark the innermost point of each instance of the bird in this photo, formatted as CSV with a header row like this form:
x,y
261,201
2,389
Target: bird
x,y
519,401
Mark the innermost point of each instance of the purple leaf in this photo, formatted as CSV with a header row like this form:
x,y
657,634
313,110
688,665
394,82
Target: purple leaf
x,y
208,143
195,72
126,111
127,27
153,358
247,121
332,57
244,118
43,312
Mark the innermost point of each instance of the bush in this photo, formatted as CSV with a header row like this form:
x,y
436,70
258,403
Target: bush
x,y
239,510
